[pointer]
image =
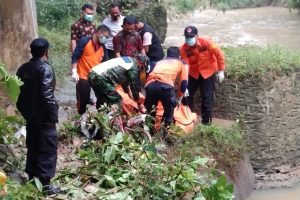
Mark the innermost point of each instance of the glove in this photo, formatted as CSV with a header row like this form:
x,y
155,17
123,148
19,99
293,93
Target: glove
x,y
220,76
186,93
75,76
178,101
142,108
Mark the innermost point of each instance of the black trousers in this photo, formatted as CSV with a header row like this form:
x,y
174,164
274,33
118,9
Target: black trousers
x,y
83,94
165,93
41,142
207,89
111,54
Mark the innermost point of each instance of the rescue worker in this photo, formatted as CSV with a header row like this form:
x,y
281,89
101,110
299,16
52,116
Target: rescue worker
x,y
205,58
89,52
151,43
38,106
160,84
105,77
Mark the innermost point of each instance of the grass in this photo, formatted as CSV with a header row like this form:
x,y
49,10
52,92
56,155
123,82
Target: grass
x,y
253,61
226,145
59,54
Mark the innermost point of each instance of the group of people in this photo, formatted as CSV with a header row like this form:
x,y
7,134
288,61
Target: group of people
x,y
122,51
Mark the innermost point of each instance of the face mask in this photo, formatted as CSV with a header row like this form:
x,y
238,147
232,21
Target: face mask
x,y
115,17
190,41
102,39
88,18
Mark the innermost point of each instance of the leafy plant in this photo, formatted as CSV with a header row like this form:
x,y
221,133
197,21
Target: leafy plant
x,y
19,191
225,145
120,168
11,83
8,127
55,14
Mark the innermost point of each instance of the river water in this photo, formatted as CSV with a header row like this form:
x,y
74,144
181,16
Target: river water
x,y
256,26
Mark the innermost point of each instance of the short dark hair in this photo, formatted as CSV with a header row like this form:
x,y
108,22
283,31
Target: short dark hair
x,y
113,5
39,47
87,6
103,28
130,20
173,52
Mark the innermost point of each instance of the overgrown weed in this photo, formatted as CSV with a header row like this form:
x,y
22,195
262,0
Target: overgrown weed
x,y
254,61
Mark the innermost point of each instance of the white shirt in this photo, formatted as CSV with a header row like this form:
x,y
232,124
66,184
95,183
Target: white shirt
x,y
147,39
115,27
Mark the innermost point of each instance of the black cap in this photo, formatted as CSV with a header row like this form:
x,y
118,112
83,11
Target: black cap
x,y
173,52
190,31
40,44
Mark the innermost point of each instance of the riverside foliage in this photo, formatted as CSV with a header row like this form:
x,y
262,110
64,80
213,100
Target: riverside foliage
x,y
119,167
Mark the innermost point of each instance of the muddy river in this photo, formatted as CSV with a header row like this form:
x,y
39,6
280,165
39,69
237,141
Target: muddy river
x,y
258,26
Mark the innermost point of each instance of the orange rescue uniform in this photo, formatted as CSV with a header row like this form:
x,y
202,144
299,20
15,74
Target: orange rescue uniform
x,y
205,58
88,59
167,70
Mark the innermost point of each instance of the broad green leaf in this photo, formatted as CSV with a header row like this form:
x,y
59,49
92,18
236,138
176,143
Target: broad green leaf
x,y
119,138
200,161
38,184
127,157
166,189
173,184
110,154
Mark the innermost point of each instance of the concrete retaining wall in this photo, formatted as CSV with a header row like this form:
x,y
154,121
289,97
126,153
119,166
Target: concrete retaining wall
x,y
270,111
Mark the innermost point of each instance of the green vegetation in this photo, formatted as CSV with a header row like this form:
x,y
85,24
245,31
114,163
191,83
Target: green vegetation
x,y
184,6
57,15
253,61
294,4
119,167
59,53
225,145
10,83
54,23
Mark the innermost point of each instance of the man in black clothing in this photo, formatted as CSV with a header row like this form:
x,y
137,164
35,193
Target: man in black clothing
x,y
39,108
151,43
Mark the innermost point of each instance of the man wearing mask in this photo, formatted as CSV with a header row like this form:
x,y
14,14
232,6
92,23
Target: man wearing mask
x,y
89,52
114,22
84,27
151,43
128,42
38,106
205,59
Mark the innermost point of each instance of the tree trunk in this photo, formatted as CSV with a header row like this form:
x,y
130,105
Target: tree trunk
x,y
18,27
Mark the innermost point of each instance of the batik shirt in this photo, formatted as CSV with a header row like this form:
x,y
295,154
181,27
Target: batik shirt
x,y
129,44
82,28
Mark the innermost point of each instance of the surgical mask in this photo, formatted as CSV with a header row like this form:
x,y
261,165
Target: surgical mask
x,y
102,39
190,41
88,18
115,17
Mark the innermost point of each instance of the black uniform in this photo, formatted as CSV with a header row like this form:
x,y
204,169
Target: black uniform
x,y
39,107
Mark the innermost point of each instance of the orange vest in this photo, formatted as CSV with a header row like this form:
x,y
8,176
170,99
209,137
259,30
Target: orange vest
x,y
167,70
89,59
205,58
